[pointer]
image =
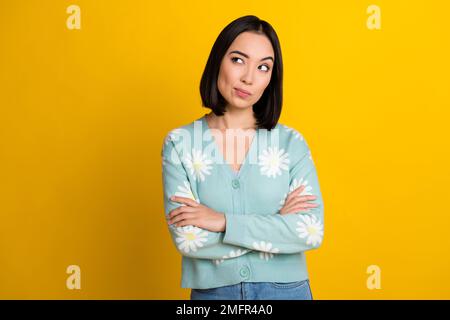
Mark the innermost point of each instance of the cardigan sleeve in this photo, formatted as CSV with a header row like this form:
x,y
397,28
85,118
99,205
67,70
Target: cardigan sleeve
x,y
288,233
190,241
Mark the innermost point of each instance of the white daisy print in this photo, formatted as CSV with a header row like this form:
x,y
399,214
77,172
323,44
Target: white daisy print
x,y
185,191
266,249
272,161
295,133
294,185
310,228
172,135
218,261
232,254
190,238
237,253
199,164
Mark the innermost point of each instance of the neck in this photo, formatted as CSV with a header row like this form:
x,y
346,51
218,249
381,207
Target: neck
x,y
233,119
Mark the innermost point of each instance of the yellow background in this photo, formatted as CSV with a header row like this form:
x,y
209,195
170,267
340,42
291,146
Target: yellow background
x,y
83,114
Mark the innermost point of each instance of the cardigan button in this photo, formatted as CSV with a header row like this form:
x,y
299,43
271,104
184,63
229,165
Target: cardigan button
x,y
244,272
235,183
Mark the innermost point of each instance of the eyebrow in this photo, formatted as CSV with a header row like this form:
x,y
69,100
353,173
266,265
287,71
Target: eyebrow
x,y
246,55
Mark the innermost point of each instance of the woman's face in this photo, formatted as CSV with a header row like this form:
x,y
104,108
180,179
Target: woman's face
x,y
247,65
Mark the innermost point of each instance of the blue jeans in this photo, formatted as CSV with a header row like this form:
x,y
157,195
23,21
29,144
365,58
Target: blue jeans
x,y
297,290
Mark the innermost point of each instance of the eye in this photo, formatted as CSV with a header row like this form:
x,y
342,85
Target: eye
x,y
233,59
264,65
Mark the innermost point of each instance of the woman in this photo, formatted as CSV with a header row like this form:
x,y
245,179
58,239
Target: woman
x,y
242,214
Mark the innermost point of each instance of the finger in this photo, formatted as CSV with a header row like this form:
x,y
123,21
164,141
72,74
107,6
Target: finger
x,y
296,210
309,205
179,210
180,217
184,200
296,191
291,196
187,222
300,199
305,198
174,212
302,205
290,208
305,206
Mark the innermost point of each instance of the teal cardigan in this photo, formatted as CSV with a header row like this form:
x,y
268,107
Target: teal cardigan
x,y
259,244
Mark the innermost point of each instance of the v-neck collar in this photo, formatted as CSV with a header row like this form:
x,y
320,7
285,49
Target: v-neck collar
x,y
227,167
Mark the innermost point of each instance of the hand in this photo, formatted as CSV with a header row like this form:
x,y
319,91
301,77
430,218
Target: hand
x,y
295,203
196,214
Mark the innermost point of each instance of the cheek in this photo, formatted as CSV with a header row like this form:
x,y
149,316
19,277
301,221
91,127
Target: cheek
x,y
226,80
262,85
231,75
223,77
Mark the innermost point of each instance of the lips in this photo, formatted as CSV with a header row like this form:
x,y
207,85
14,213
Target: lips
x,y
243,91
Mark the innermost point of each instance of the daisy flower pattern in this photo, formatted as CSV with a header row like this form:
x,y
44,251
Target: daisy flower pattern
x,y
172,135
272,161
190,238
310,228
237,253
294,185
232,254
295,133
266,249
218,261
185,191
199,164
255,238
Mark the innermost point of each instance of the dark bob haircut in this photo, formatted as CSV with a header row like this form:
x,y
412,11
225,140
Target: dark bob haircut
x,y
267,109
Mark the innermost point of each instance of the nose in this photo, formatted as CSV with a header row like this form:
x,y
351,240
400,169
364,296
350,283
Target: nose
x,y
247,77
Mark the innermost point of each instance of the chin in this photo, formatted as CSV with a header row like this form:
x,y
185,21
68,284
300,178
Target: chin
x,y
242,104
